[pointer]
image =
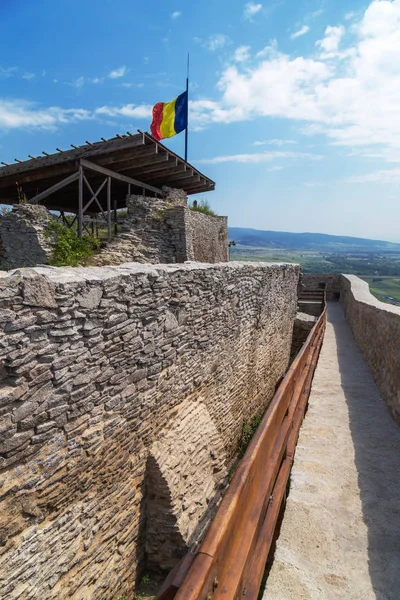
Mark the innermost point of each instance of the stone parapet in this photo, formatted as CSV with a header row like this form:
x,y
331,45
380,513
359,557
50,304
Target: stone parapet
x,y
376,329
23,240
122,398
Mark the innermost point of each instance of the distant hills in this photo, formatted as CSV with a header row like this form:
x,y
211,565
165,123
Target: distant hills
x,y
321,242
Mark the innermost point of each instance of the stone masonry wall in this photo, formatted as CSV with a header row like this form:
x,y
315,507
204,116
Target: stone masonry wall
x,y
122,397
313,281
209,237
376,329
164,230
22,237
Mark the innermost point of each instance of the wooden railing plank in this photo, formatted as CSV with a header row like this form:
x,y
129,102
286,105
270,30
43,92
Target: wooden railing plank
x,y
232,556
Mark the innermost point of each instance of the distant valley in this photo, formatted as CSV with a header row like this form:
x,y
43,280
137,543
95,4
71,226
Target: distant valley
x,y
376,261
307,241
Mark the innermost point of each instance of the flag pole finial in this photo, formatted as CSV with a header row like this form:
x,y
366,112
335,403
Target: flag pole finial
x,y
187,107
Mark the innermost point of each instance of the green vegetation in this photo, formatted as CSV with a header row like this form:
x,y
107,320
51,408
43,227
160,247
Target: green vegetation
x,y
385,289
381,270
203,206
249,428
22,197
362,264
69,249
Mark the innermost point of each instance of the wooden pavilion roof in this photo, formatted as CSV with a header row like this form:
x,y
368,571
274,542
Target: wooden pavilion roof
x,y
137,158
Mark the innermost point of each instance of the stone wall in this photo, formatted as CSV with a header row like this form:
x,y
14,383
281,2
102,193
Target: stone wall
x,y
331,282
164,230
123,393
376,329
209,237
23,240
301,329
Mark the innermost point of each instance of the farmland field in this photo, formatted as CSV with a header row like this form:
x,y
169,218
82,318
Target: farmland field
x,y
386,289
379,269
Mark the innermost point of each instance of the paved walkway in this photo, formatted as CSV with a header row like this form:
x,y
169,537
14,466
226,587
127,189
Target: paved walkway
x,y
340,536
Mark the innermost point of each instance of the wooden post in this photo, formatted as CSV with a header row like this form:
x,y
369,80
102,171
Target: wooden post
x,y
80,202
109,208
115,218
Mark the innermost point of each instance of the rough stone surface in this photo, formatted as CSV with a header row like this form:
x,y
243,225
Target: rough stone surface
x,y
331,282
114,401
376,329
187,472
208,237
340,536
164,230
301,328
23,241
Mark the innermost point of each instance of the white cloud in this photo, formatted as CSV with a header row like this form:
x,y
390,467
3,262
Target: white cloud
x,y
131,85
258,157
273,169
78,83
329,46
315,14
176,14
274,142
129,110
7,71
28,76
20,114
116,73
350,15
382,176
305,29
350,92
241,54
217,41
97,80
251,9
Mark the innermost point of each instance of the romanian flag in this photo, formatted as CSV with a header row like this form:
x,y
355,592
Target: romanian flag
x,y
170,118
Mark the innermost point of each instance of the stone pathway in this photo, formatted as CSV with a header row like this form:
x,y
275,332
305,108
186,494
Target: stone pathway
x,y
340,536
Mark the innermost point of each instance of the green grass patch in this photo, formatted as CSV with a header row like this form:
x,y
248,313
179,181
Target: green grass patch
x,y
202,206
70,250
249,428
384,288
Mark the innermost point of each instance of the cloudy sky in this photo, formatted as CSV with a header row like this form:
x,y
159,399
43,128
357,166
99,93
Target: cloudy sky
x,y
294,111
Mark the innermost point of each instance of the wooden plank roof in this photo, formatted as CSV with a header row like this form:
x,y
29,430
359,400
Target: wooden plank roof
x,y
137,156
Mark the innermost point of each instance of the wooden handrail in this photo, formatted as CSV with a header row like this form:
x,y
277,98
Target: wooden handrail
x,y
231,560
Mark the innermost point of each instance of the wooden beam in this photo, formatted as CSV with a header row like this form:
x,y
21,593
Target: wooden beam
x,y
147,138
80,203
70,155
94,194
97,168
109,208
54,188
115,217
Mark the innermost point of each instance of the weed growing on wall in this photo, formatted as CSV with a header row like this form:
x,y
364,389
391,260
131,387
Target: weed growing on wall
x,y
202,206
70,250
22,197
249,428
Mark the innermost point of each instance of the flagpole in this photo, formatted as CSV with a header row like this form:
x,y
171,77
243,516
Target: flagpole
x,y
187,109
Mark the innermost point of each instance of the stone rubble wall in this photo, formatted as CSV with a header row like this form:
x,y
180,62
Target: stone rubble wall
x,y
23,240
164,230
314,281
301,329
376,329
122,397
208,237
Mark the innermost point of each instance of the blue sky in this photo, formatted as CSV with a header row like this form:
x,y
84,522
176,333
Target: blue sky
x,y
294,109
